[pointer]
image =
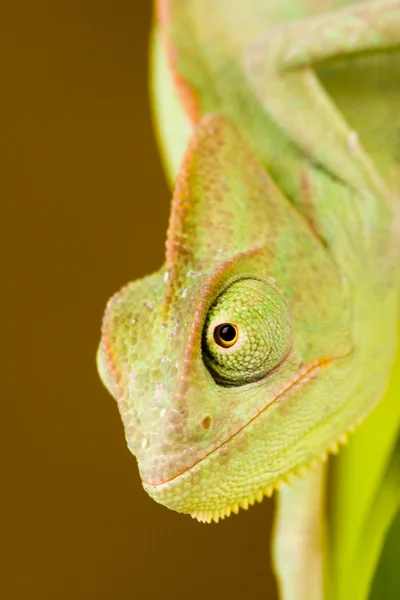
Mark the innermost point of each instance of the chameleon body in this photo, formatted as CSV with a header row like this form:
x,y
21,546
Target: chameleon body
x,y
271,329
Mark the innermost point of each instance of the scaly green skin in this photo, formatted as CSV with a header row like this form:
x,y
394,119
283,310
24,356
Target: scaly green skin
x,y
281,224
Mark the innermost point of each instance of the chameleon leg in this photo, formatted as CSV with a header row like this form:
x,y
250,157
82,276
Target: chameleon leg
x,y
299,537
365,27
279,69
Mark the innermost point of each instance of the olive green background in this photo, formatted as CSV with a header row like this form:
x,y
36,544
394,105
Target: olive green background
x,y
84,209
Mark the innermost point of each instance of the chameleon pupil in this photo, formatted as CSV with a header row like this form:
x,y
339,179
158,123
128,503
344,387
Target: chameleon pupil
x,y
226,335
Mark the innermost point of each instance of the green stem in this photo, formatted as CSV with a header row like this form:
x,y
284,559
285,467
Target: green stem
x,y
299,537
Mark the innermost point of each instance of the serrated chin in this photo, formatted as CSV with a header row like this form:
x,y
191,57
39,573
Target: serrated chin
x,y
209,516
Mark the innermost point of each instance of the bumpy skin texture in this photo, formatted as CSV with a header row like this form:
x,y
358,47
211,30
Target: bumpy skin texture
x,y
302,264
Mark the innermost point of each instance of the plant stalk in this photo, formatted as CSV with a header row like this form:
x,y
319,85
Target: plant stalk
x,y
299,537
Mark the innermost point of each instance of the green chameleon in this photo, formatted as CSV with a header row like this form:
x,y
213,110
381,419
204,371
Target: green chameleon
x,y
271,330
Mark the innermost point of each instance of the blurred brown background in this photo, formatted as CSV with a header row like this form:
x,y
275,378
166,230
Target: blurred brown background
x,y
84,207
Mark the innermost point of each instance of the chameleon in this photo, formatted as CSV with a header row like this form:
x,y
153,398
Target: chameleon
x,y
270,331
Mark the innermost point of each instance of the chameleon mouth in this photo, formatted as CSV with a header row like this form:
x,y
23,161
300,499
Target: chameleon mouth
x,y
304,374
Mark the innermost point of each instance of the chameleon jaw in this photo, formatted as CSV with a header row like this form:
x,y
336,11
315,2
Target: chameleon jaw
x,y
209,516
161,492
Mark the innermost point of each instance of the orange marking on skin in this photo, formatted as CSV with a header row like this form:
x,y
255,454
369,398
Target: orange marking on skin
x,y
308,206
161,11
186,93
194,337
304,374
180,207
107,346
179,254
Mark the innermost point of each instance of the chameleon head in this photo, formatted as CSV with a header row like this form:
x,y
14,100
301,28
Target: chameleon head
x,y
227,363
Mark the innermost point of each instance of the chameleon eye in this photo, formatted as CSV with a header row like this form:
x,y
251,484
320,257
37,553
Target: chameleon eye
x,y
226,335
260,313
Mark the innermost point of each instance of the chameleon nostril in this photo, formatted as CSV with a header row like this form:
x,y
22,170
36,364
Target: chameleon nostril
x,y
206,422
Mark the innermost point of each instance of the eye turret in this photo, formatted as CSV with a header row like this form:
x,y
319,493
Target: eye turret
x,y
247,332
